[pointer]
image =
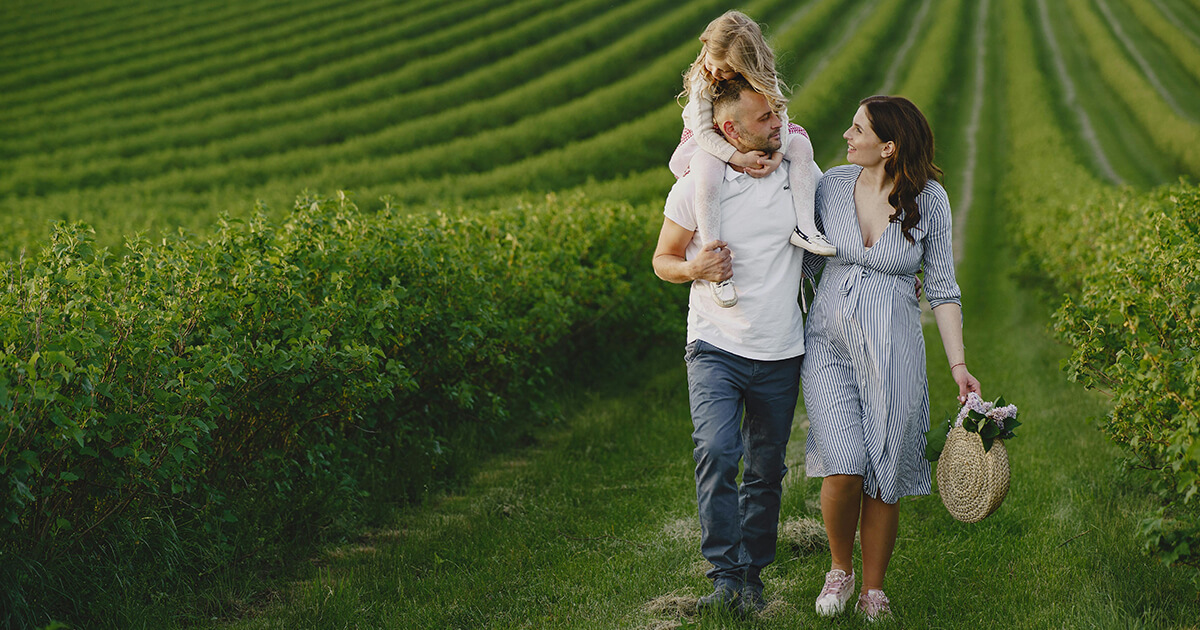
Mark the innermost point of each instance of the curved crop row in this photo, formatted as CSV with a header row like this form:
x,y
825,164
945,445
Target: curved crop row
x,y
285,150
184,35
1184,49
56,87
1172,134
28,33
282,82
38,41
406,108
530,134
916,28
935,59
824,99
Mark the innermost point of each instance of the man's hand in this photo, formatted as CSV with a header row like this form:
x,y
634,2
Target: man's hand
x,y
766,164
714,262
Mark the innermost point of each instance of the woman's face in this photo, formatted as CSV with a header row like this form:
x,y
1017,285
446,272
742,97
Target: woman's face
x,y
864,148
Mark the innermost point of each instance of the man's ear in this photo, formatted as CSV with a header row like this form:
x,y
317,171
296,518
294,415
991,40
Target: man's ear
x,y
729,129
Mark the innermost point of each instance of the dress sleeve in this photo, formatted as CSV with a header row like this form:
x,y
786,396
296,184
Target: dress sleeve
x,y
698,116
940,284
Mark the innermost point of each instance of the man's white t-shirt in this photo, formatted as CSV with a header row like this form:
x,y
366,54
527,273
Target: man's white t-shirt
x,y
757,220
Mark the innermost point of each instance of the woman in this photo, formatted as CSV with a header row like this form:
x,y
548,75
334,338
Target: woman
x,y
864,369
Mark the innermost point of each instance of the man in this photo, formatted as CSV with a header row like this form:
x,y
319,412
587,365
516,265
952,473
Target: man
x,y
740,360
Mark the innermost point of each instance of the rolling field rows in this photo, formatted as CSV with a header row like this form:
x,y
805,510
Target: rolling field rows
x,y
178,115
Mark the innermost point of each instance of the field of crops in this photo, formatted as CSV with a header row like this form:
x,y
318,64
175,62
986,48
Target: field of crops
x,y
144,117
153,116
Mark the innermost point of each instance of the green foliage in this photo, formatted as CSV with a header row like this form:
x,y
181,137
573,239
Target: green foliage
x,y
1135,330
1127,269
323,356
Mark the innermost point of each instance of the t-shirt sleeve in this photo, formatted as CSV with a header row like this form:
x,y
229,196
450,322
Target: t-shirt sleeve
x,y
679,207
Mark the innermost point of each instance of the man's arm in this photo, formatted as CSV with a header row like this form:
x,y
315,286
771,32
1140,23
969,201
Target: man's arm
x,y
714,263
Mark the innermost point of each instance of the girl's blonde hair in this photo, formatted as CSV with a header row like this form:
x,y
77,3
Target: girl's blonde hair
x,y
738,41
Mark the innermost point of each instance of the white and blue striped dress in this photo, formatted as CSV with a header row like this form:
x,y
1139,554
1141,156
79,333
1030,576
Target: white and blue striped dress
x,y
864,368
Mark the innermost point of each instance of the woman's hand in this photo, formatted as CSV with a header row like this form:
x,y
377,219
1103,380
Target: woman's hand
x,y
966,382
766,164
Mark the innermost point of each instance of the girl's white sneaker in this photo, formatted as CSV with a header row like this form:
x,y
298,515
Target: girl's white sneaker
x,y
815,243
724,293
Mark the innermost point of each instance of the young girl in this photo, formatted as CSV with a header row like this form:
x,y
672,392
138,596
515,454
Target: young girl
x,y
734,45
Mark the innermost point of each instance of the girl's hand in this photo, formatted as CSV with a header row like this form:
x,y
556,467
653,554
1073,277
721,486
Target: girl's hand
x,y
766,164
966,382
748,160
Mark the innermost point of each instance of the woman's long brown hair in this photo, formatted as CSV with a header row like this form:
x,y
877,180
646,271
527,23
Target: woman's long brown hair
x,y
896,119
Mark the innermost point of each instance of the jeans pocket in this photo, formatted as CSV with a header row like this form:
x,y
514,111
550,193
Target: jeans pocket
x,y
692,350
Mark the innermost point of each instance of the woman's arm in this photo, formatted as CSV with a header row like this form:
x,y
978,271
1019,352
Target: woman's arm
x,y
949,323
944,294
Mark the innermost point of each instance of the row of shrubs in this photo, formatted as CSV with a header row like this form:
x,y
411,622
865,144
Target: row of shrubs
x,y
1127,263
292,368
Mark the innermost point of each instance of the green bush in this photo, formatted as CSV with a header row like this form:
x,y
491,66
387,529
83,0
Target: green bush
x,y
1135,330
293,367
1126,262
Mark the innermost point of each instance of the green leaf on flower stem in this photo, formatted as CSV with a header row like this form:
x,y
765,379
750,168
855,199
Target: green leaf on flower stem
x,y
1000,402
989,431
935,439
1011,424
987,444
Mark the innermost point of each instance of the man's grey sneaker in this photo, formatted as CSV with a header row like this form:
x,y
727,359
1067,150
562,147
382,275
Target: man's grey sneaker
x,y
752,601
815,243
874,605
724,293
723,597
836,592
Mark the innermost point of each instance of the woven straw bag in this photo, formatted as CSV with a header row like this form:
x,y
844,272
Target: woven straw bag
x,y
972,482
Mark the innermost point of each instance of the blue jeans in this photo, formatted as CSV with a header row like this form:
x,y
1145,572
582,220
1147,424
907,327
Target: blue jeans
x,y
741,409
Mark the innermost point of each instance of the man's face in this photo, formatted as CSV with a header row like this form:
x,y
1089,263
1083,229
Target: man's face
x,y
757,126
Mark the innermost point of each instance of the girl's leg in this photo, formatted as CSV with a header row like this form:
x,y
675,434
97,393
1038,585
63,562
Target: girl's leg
x,y
708,172
803,174
880,524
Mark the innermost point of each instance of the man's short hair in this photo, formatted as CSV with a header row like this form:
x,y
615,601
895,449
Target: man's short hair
x,y
728,95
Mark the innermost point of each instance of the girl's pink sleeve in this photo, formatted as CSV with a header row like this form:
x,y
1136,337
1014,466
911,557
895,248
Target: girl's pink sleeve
x,y
698,116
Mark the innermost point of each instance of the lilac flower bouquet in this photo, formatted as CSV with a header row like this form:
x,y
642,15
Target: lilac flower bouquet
x,y
991,420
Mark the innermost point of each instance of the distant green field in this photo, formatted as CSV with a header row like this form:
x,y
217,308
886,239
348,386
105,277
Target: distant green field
x,y
144,116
